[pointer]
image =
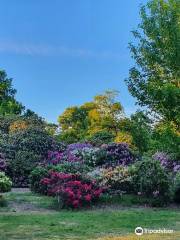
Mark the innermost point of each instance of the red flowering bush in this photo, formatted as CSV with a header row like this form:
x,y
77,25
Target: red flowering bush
x,y
71,189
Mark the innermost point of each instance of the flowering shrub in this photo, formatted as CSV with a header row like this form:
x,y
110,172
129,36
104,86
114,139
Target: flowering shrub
x,y
71,189
93,156
71,154
166,161
118,154
78,146
3,164
117,180
150,180
5,183
84,153
54,157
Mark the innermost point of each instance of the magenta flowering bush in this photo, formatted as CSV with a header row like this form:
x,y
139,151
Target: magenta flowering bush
x,y
71,189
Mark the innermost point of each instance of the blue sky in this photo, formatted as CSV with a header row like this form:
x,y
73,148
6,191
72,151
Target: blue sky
x,y
63,52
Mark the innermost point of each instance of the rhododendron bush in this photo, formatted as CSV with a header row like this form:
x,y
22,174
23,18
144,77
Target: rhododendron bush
x,y
71,190
109,155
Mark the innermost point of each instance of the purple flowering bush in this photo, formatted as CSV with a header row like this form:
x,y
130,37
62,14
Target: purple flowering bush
x,y
167,162
72,154
110,155
118,154
78,146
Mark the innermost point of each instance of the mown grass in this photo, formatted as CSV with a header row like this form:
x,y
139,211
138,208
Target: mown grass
x,y
82,225
29,197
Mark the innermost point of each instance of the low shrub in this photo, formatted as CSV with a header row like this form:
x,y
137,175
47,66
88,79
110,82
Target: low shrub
x,y
35,177
71,190
5,183
150,180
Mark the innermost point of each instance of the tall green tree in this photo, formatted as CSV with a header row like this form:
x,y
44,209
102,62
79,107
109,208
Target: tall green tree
x,y
100,115
155,78
8,103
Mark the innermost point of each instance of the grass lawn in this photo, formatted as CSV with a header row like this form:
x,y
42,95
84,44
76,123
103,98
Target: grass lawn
x,y
81,225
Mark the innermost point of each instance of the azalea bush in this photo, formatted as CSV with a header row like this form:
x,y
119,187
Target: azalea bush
x,y
71,190
5,183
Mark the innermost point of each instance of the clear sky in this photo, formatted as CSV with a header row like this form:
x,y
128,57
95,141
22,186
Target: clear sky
x,y
63,52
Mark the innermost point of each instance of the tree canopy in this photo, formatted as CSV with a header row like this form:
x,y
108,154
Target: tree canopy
x,y
8,103
102,114
155,78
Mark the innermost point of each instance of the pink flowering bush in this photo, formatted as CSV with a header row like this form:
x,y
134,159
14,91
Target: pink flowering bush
x,y
71,189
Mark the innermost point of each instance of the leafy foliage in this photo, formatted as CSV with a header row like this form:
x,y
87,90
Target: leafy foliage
x,y
150,180
91,120
177,188
154,81
5,183
8,103
101,137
